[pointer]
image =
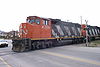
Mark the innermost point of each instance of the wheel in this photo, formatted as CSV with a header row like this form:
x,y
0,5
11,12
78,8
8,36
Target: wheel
x,y
18,48
22,48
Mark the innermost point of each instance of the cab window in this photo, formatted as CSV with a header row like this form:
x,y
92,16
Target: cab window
x,y
45,22
31,21
37,21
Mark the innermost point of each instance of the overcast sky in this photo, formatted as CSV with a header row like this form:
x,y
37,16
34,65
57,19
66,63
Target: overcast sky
x,y
14,12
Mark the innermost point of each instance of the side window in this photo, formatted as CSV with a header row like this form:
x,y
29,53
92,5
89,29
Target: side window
x,y
45,22
37,21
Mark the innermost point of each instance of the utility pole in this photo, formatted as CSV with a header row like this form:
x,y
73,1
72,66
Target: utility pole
x,y
81,19
86,33
81,26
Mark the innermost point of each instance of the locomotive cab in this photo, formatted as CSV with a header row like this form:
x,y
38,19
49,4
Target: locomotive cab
x,y
35,27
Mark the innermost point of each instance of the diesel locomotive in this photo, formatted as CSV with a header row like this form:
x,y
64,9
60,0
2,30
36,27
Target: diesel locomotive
x,y
40,33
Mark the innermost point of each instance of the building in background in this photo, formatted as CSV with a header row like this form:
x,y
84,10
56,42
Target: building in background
x,y
9,35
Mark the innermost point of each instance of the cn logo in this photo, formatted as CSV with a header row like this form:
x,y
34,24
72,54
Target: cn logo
x,y
23,31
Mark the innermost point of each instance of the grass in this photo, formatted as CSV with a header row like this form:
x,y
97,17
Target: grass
x,y
95,43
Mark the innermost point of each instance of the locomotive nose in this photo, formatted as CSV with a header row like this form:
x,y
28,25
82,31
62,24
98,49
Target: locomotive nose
x,y
23,30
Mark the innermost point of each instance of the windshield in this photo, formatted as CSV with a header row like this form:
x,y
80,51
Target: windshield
x,y
37,21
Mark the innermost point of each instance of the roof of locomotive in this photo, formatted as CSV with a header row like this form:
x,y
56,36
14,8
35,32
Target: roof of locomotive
x,y
52,20
55,21
38,17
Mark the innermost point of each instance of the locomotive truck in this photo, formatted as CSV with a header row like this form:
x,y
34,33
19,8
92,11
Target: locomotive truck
x,y
40,33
